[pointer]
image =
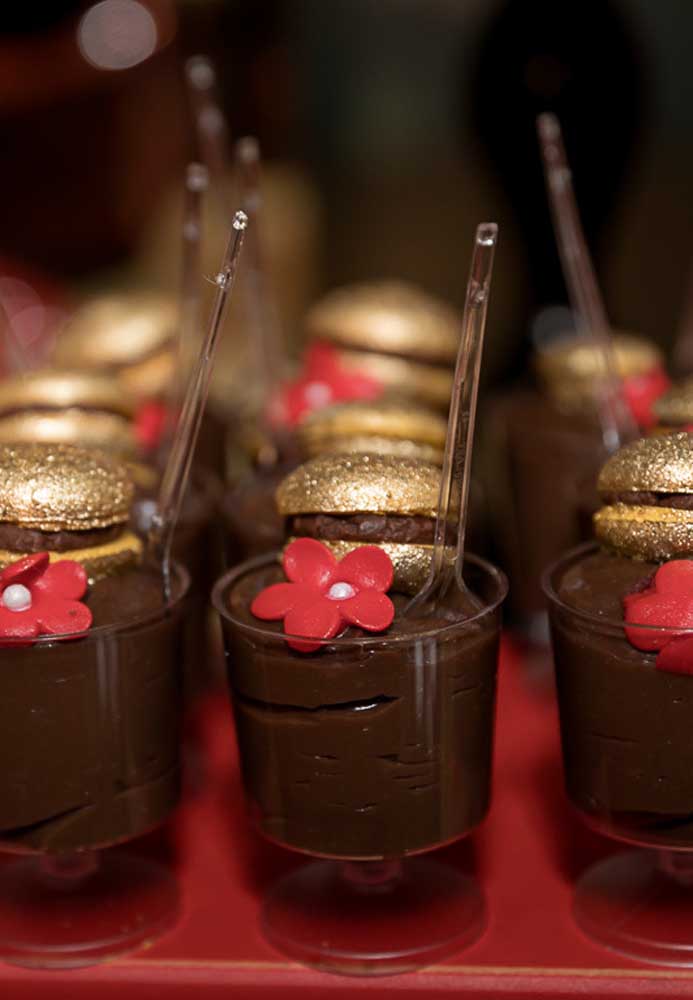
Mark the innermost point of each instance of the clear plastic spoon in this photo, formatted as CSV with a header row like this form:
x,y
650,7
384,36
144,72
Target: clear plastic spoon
x,y
262,310
447,561
615,418
176,474
210,124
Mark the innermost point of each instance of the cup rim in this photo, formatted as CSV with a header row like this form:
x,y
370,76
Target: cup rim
x,y
341,642
103,631
575,554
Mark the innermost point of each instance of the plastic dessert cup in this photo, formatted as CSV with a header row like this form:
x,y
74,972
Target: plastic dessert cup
x,y
628,762
90,737
362,754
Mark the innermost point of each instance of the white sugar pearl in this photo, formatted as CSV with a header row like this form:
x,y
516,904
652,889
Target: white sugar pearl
x,y
318,394
340,592
16,597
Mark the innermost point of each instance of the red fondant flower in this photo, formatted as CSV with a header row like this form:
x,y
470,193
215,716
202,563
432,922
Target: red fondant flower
x,y
641,391
667,604
323,381
150,424
325,595
42,598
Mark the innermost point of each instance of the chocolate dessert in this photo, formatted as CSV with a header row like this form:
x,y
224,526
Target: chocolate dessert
x,y
351,500
549,446
90,723
621,619
403,339
368,747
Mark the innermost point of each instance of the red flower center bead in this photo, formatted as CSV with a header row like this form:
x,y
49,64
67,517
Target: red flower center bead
x,y
323,380
667,606
38,597
323,595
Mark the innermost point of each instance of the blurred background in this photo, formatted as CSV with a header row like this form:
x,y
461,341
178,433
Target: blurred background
x,y
390,128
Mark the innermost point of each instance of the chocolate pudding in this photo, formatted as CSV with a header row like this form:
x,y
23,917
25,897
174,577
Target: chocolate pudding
x,y
371,747
90,726
625,725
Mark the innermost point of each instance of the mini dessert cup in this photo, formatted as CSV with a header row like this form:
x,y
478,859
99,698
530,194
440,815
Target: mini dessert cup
x,y
364,753
628,762
90,735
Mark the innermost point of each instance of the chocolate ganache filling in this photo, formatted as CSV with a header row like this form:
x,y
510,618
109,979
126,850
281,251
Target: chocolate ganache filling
x,y
647,498
14,538
365,528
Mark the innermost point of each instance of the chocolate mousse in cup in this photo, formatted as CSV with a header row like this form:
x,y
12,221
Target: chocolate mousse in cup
x,y
90,697
597,387
622,628
362,666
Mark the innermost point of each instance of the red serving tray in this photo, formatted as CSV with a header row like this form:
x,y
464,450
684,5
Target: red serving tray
x,y
526,856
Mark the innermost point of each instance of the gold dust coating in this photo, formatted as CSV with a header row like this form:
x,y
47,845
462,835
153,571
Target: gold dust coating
x,y
645,533
150,377
55,389
387,419
86,428
675,406
411,562
569,368
391,316
662,463
117,330
429,384
99,561
60,487
355,484
375,446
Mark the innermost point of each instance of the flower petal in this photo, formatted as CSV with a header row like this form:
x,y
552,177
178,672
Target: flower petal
x,y
274,602
65,578
18,624
308,561
368,567
665,612
318,620
60,617
370,610
675,577
25,571
677,656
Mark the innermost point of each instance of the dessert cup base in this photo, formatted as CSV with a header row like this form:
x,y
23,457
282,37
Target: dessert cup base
x,y
67,911
640,904
373,918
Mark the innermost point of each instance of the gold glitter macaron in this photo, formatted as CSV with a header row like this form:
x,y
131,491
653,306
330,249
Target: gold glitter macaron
x,y
60,487
58,390
674,409
569,367
383,428
628,523
347,485
86,428
390,317
132,335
